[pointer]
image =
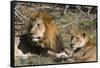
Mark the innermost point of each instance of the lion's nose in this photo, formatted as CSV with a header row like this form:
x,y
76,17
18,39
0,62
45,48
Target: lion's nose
x,y
39,37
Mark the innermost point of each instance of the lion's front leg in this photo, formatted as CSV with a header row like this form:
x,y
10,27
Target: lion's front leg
x,y
57,56
62,55
69,52
51,53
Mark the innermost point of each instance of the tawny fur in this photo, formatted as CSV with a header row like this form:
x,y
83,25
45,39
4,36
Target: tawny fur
x,y
87,52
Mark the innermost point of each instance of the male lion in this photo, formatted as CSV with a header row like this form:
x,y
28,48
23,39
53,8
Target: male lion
x,y
84,47
43,32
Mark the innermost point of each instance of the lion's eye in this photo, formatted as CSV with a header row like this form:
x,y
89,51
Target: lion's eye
x,y
38,24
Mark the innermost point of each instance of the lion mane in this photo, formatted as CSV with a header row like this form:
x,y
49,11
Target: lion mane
x,y
52,39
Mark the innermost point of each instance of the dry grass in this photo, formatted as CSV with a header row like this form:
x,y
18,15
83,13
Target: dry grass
x,y
80,21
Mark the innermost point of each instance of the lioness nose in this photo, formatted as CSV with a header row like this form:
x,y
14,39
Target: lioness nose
x,y
30,33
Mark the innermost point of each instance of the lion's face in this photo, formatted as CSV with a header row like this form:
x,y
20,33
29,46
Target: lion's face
x,y
37,30
78,40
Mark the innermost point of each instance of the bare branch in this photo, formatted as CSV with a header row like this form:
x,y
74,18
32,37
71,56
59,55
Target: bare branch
x,y
79,8
88,13
19,15
66,7
89,9
63,26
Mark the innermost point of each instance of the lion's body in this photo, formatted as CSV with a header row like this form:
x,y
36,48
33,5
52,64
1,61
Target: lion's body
x,y
84,48
43,37
46,34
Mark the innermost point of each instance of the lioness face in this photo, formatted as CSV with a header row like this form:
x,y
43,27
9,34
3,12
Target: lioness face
x,y
37,30
79,40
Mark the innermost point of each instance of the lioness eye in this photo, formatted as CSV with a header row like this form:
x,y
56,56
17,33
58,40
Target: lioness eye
x,y
77,37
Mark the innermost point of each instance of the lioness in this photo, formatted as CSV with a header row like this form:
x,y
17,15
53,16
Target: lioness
x,y
84,47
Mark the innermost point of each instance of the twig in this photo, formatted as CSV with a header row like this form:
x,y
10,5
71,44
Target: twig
x,y
89,9
66,7
19,17
63,26
88,13
24,17
79,8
